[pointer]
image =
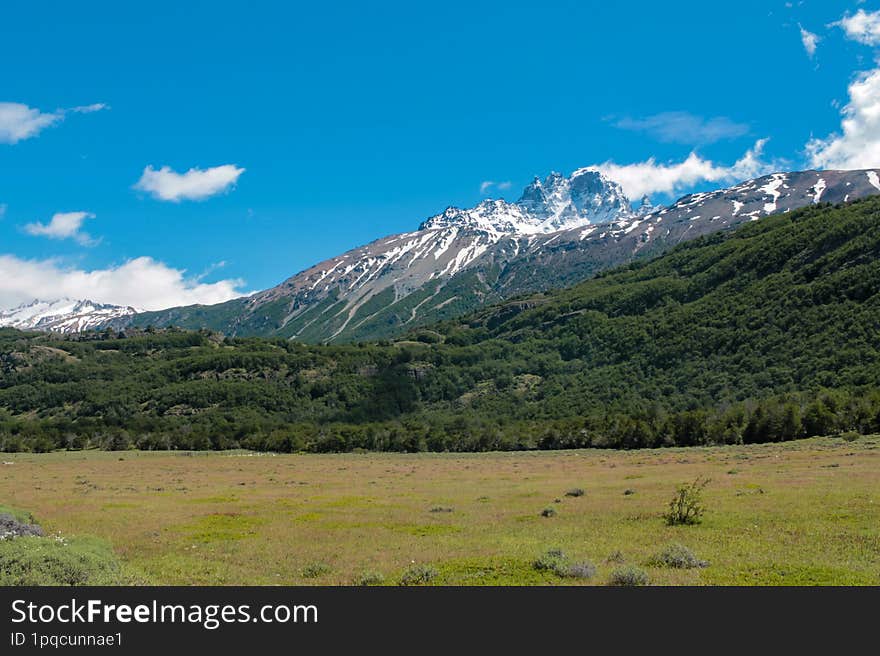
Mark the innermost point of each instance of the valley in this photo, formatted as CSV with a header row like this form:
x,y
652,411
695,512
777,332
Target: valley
x,y
799,513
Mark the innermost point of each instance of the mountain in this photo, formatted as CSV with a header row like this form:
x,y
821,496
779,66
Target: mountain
x,y
766,332
63,315
561,230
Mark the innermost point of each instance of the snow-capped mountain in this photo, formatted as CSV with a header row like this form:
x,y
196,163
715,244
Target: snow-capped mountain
x,y
549,206
560,231
62,315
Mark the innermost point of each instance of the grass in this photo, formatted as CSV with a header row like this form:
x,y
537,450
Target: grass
x,y
787,517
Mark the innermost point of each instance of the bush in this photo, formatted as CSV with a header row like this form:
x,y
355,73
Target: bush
x,y
575,492
371,578
314,570
55,561
550,561
677,556
616,556
850,436
686,507
628,575
582,570
554,560
418,575
548,512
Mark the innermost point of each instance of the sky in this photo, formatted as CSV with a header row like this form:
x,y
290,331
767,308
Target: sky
x,y
167,153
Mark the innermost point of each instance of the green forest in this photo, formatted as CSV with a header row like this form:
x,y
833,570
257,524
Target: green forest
x,y
765,333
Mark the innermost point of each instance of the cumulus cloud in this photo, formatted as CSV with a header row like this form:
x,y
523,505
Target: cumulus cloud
x,y
810,41
685,128
857,145
19,122
63,225
650,177
141,282
195,184
862,26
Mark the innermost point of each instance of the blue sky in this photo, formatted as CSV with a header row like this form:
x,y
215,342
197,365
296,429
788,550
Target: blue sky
x,y
341,123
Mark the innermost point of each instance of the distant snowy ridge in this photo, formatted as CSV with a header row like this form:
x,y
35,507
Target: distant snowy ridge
x,y
62,315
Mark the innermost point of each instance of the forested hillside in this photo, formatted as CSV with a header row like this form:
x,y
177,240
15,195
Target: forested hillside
x,y
769,332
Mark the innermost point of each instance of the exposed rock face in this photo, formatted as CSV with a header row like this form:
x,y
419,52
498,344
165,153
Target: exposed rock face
x,y
560,231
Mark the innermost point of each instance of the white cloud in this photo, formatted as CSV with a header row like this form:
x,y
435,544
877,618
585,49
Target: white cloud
x,y
90,109
486,186
857,145
195,184
685,128
649,177
19,122
810,41
142,282
63,225
862,26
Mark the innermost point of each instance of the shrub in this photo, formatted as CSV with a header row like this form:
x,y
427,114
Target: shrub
x,y
548,512
554,560
575,492
629,492
551,561
418,575
628,575
581,570
686,506
850,436
677,556
371,578
54,561
615,556
314,570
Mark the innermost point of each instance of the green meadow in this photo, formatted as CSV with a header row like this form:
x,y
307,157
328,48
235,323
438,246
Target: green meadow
x,y
801,513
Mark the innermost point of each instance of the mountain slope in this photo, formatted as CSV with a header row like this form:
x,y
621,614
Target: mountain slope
x,y
63,315
767,332
562,230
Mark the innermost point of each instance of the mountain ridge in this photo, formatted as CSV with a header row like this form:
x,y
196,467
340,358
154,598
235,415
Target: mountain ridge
x,y
460,260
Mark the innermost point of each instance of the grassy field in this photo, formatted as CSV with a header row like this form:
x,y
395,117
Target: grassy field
x,y
804,512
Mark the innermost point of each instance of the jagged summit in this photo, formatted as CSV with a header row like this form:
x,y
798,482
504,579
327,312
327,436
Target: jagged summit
x,y
554,204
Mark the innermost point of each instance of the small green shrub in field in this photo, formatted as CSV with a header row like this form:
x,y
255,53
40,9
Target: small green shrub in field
x,y
628,575
314,570
418,575
55,561
850,436
686,507
550,561
677,556
371,578
548,512
575,492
